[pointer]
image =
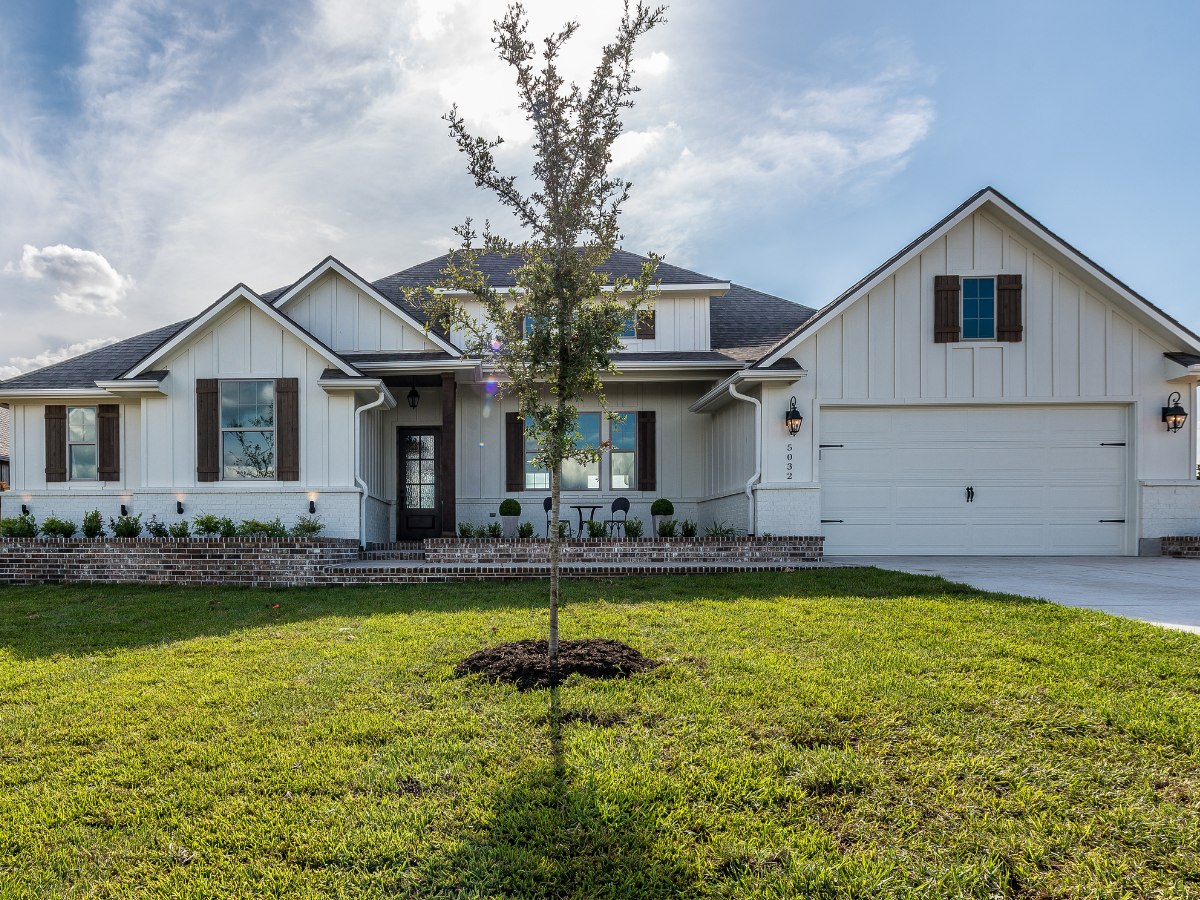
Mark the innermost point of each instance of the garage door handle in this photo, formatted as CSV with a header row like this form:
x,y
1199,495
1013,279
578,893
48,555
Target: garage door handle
x,y
1122,521
970,495
824,521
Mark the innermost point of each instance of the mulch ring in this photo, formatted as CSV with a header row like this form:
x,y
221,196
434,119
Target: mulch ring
x,y
527,663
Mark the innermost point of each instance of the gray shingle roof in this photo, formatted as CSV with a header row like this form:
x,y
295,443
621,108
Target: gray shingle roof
x,y
98,365
746,323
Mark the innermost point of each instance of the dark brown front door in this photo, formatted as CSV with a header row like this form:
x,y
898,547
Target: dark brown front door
x,y
420,507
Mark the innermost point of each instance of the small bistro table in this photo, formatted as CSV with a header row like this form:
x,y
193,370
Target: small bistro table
x,y
580,507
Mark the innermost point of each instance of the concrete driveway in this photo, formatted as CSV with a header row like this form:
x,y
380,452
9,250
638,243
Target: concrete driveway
x,y
1156,589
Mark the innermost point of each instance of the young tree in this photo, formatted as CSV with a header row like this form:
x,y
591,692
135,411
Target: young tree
x,y
549,338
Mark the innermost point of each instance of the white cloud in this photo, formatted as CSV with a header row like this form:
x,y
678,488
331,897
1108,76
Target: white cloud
x,y
83,280
657,63
21,364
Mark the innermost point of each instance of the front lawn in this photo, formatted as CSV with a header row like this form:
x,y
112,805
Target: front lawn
x,y
829,733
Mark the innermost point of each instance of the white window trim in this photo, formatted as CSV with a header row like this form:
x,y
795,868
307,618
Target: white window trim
x,y
962,318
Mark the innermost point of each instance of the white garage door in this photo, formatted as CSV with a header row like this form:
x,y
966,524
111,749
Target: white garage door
x,y
974,480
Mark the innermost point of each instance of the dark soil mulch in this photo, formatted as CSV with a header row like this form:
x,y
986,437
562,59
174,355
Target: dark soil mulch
x,y
527,663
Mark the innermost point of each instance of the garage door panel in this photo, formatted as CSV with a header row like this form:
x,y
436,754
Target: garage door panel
x,y
1042,482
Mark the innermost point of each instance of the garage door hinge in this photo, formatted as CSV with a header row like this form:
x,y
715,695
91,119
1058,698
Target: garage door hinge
x,y
1114,444
1122,521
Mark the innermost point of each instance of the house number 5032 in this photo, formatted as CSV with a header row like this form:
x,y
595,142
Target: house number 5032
x,y
790,466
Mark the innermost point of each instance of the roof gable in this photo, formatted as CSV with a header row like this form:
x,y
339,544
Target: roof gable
x,y
985,197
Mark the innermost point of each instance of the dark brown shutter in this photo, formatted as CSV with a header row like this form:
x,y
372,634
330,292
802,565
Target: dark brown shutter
x,y
287,429
108,436
56,444
208,430
647,451
514,452
1008,308
946,326
645,324
518,324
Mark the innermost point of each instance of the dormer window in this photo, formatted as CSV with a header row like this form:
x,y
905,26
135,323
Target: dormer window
x,y
978,309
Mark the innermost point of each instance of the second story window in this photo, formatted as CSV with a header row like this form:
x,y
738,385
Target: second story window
x,y
978,309
247,430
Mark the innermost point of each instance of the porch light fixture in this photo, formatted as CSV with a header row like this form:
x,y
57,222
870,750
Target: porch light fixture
x,y
1174,415
312,507
24,509
124,510
413,398
179,507
792,419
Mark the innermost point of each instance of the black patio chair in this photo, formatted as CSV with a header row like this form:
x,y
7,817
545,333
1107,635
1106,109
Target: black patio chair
x,y
620,505
548,505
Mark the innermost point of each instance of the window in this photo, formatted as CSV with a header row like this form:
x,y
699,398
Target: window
x,y
81,443
622,459
629,328
978,309
247,429
576,476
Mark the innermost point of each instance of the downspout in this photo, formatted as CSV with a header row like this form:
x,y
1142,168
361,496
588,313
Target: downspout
x,y
757,476
358,479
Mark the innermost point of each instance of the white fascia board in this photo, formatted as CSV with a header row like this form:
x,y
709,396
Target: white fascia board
x,y
1190,376
241,292
358,385
133,387
333,265
719,395
53,393
444,365
673,365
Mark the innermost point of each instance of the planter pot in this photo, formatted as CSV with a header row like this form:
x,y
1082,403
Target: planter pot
x,y
510,524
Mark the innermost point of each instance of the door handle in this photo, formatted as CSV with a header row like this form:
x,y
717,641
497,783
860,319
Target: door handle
x,y
970,494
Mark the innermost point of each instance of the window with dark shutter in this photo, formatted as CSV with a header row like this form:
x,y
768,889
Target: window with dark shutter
x,y
287,428
647,451
646,321
208,430
945,309
514,452
1008,308
56,444
109,438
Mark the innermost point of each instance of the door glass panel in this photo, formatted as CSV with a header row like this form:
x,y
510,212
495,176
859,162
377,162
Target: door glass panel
x,y
420,472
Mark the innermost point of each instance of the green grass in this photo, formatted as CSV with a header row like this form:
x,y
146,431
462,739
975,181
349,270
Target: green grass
x,y
830,733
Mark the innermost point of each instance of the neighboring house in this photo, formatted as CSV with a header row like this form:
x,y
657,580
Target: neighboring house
x,y
988,390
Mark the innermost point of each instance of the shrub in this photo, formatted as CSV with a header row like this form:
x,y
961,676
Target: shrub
x,y
179,530
564,530
493,530
720,529
307,527
466,530
662,507
255,528
597,529
510,507
60,528
126,526
156,529
23,526
688,528
634,528
93,525
667,527
525,530
214,526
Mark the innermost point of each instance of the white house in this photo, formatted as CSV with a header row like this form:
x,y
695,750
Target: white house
x,y
987,390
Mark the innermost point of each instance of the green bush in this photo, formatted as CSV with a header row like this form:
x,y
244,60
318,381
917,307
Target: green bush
x,y
59,528
23,526
720,530
493,530
564,530
525,530
510,507
597,529
667,527
466,530
255,528
179,530
662,507
307,527
93,525
214,526
126,526
688,528
156,529
634,528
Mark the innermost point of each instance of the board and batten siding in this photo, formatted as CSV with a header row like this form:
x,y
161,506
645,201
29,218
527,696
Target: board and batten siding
x,y
348,320
245,343
27,453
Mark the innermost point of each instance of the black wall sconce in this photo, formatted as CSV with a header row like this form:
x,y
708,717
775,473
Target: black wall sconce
x,y
792,419
124,510
312,507
24,509
179,507
1174,415
414,397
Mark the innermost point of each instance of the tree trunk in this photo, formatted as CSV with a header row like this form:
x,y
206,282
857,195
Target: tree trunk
x,y
555,557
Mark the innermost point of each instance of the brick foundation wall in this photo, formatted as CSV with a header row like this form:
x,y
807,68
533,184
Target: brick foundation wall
x,y
244,562
1183,547
658,550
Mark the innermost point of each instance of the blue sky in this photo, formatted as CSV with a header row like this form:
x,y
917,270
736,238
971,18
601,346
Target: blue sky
x,y
153,153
